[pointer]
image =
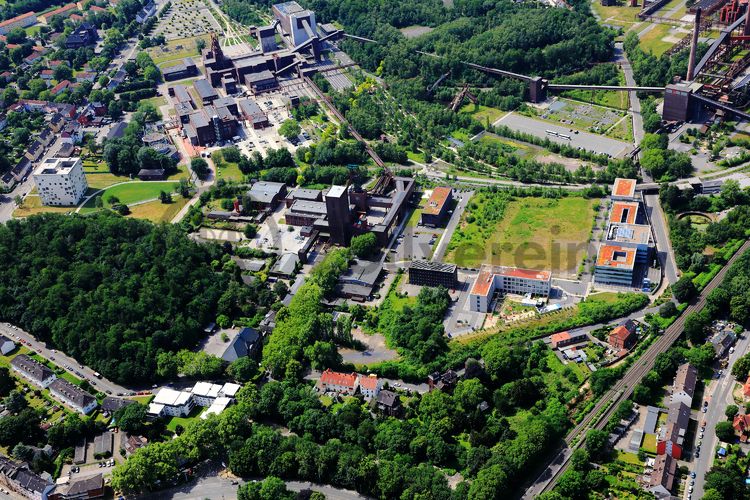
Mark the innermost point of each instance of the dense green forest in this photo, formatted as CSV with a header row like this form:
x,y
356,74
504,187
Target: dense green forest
x,y
109,291
502,34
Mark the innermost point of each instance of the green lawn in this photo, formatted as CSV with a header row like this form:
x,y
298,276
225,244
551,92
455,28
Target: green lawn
x,y
649,443
654,40
132,193
225,169
482,114
144,400
534,233
183,421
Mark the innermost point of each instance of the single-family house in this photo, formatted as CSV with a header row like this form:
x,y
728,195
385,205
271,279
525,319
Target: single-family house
x,y
6,345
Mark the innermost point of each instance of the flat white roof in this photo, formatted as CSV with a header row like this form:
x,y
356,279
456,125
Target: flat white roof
x,y
217,407
155,409
230,389
170,397
206,389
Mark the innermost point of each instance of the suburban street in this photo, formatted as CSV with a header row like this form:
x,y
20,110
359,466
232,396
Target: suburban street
x,y
61,359
721,396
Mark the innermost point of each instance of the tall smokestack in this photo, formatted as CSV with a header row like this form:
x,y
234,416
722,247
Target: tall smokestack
x,y
694,46
746,29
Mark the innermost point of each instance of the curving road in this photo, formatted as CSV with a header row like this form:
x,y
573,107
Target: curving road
x,y
607,404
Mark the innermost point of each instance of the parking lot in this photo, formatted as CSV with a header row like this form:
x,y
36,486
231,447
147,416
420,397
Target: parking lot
x,y
577,139
275,236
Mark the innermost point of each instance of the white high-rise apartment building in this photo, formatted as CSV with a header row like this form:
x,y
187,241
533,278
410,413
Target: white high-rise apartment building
x,y
61,181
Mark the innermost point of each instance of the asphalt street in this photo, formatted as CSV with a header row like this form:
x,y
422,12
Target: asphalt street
x,y
219,488
635,103
663,243
61,359
720,397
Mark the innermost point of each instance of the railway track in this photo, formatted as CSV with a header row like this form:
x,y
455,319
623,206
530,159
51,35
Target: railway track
x,y
598,417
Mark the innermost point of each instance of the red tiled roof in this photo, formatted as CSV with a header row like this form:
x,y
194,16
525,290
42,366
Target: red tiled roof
x,y
330,377
96,8
620,333
61,10
370,383
60,87
17,18
437,200
560,337
746,387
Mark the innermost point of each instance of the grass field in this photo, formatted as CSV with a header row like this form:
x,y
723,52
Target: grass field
x,y
156,211
226,170
175,49
653,40
534,233
104,179
131,192
618,15
32,205
483,113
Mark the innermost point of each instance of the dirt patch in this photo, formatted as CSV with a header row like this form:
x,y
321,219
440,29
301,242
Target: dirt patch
x,y
376,351
415,31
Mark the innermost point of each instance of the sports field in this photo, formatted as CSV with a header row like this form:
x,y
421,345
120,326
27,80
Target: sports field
x,y
535,233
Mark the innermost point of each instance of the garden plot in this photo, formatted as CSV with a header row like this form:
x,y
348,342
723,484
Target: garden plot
x,y
188,18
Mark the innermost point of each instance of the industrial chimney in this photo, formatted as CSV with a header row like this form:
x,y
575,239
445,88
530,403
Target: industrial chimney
x,y
694,46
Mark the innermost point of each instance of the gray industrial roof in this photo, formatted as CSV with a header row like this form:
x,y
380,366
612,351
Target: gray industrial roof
x,y
286,264
204,88
264,192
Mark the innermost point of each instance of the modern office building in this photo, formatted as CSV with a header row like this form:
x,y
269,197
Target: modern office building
x,y
61,181
636,236
615,265
507,280
426,273
435,211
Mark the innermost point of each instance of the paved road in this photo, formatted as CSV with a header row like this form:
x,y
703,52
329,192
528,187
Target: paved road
x,y
663,243
635,103
721,396
61,359
463,200
607,404
218,488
